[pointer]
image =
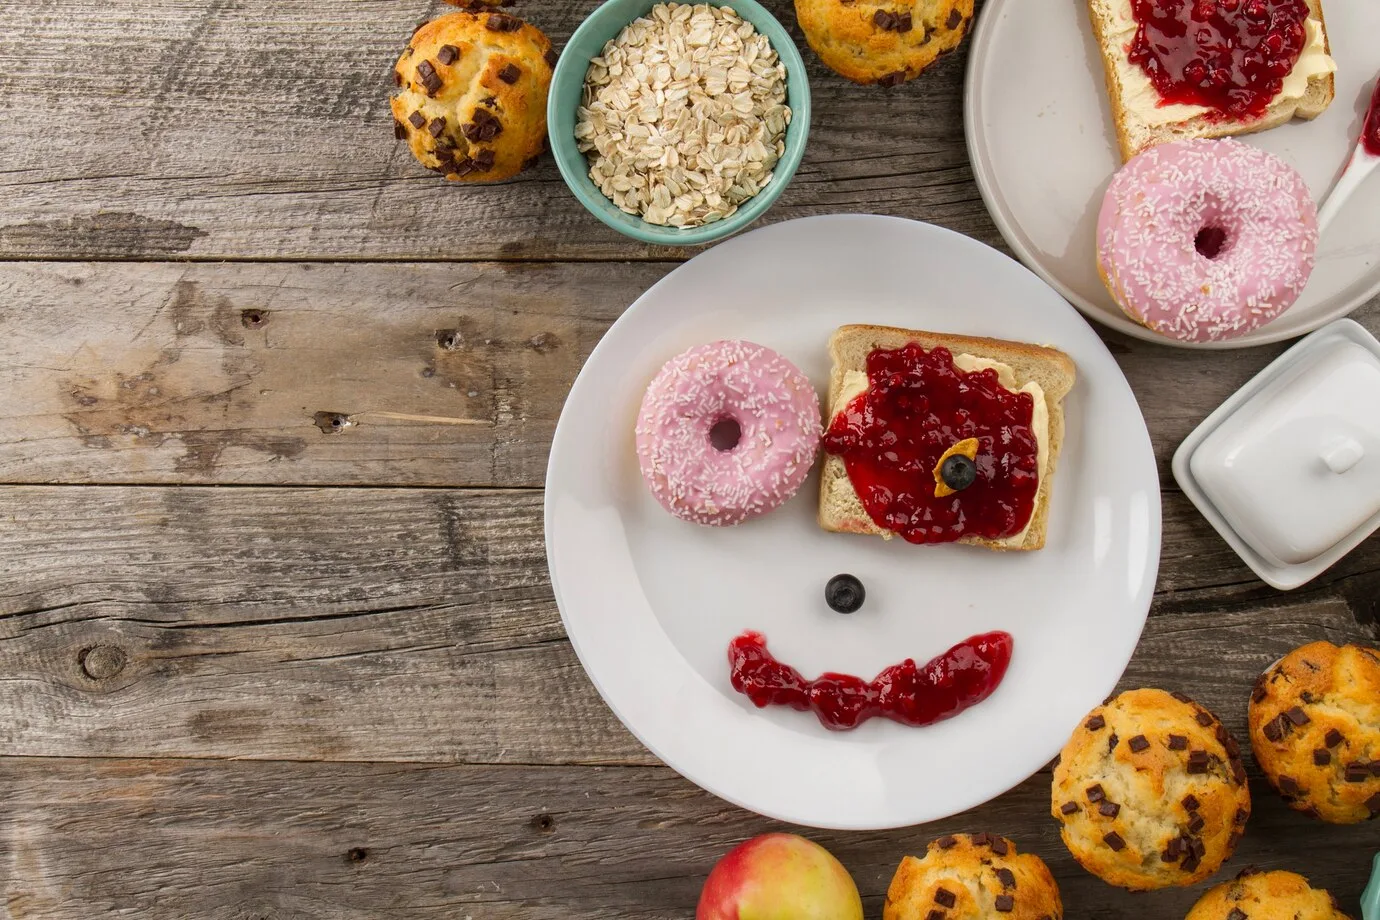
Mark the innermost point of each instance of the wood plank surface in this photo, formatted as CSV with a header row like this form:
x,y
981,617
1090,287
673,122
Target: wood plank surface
x,y
260,129
169,840
432,374
437,374
352,697
259,623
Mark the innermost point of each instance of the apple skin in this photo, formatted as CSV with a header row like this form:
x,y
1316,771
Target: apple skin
x,y
779,877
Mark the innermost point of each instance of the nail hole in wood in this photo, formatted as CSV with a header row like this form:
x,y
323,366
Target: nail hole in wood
x,y
102,662
357,854
428,372
254,319
543,824
450,339
332,422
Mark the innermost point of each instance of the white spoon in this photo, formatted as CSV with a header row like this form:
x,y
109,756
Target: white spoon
x,y
1363,161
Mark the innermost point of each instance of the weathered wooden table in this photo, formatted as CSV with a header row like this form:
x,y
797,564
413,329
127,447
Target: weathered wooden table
x,y
276,633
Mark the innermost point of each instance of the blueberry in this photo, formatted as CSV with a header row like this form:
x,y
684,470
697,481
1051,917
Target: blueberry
x,y
844,593
958,472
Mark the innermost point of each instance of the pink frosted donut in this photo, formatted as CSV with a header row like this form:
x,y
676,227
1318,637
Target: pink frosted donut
x,y
1203,240
727,431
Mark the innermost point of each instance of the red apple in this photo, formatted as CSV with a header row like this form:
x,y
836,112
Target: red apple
x,y
779,877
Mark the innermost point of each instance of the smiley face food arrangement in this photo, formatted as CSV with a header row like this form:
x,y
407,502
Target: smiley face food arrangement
x,y
948,439
937,438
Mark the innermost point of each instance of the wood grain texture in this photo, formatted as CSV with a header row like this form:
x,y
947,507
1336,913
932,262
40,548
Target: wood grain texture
x,y
233,841
438,374
261,129
441,374
258,623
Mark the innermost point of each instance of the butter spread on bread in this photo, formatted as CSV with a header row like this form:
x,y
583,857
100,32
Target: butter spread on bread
x,y
855,384
1143,119
1046,374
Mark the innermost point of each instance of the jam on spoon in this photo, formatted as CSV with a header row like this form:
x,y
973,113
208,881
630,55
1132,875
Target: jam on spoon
x,y
1363,160
1370,138
908,693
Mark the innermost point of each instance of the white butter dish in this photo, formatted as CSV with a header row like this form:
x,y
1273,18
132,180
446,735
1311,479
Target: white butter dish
x,y
1288,469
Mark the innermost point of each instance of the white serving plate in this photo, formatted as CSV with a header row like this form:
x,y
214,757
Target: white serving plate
x,y
1043,149
651,602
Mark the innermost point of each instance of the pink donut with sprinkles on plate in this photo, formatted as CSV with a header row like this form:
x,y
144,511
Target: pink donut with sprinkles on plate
x,y
1203,240
727,431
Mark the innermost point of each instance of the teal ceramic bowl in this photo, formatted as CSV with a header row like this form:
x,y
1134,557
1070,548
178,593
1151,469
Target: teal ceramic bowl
x,y
1370,898
568,82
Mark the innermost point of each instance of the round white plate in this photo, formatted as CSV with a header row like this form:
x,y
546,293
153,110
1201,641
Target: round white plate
x,y
651,602
1043,147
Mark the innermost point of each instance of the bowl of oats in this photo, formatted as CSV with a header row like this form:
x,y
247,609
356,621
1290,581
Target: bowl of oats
x,y
678,124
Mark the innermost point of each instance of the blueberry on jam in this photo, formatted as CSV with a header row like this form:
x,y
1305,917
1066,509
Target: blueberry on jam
x,y
844,593
917,406
958,472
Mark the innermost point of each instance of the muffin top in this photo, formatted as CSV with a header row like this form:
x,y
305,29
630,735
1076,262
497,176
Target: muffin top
x,y
471,99
1151,791
1266,896
883,42
1315,729
972,877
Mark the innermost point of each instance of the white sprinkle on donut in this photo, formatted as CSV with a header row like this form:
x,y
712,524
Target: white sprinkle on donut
x,y
1203,240
775,409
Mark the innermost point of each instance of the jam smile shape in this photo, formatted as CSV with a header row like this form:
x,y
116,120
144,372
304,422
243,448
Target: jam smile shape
x,y
1230,56
908,693
918,408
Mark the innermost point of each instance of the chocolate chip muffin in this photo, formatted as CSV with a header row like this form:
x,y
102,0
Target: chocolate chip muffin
x,y
973,877
1315,729
882,41
1266,896
471,102
1151,792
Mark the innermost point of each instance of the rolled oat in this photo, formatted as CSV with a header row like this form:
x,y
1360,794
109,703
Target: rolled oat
x,y
684,115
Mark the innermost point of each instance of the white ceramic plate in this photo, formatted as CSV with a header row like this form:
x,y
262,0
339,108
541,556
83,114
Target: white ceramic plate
x,y
651,603
1043,147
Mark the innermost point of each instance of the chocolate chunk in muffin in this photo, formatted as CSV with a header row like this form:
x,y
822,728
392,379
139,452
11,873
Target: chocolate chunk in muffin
x,y
1163,807
1315,729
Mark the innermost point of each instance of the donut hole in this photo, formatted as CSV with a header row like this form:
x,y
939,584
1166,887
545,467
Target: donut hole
x,y
1210,242
725,434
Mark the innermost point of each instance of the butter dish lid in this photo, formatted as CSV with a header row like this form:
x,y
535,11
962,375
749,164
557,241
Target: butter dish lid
x,y
1288,468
